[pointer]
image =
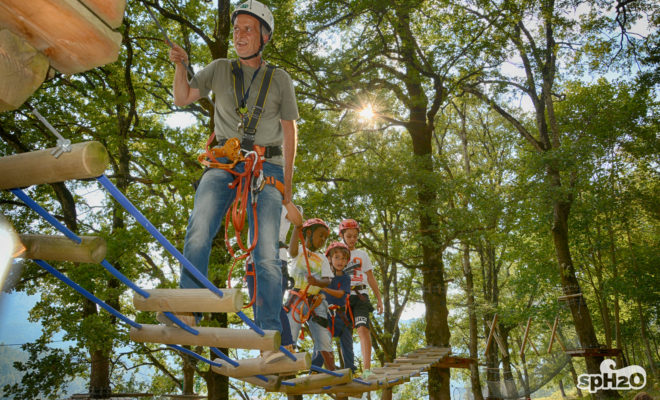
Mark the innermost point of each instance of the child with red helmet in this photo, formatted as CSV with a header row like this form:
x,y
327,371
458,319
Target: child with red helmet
x,y
336,295
361,276
311,272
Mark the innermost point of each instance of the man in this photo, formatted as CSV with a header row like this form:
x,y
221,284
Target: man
x,y
275,131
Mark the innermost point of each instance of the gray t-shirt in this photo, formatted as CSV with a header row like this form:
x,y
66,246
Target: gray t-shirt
x,y
280,102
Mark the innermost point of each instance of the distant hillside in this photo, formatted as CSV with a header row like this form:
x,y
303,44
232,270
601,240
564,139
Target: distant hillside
x,y
9,375
8,355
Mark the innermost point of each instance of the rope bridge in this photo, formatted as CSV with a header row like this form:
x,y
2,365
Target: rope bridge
x,y
89,160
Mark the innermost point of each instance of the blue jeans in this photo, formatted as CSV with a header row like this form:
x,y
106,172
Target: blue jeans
x,y
284,319
320,335
212,200
345,335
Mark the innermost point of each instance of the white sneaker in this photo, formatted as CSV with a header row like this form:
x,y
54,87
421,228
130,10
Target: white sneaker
x,y
186,318
271,357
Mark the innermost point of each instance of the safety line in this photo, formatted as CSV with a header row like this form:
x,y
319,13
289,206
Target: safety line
x,y
225,357
71,235
193,354
86,293
121,199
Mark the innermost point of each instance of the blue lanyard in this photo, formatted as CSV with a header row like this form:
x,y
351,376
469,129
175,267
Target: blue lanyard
x,y
243,105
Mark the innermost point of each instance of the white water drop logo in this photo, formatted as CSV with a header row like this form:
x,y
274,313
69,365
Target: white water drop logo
x,y
628,378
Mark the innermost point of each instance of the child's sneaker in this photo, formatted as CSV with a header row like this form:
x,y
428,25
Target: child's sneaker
x,y
366,374
186,318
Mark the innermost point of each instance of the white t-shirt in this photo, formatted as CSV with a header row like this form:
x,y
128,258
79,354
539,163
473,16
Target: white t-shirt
x,y
318,265
358,275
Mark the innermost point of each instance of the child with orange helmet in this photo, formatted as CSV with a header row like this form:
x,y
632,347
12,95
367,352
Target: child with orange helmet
x,y
361,276
310,272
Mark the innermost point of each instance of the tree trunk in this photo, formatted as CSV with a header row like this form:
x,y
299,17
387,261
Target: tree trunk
x,y
507,374
469,279
472,315
188,374
570,285
645,339
574,376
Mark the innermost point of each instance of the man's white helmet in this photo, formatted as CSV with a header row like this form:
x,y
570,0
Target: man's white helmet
x,y
258,10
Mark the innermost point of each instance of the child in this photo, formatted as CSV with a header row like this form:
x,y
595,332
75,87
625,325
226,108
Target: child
x,y
336,294
315,232
359,299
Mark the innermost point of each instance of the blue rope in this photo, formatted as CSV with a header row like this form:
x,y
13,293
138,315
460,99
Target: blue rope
x,y
68,233
286,383
36,207
224,357
288,353
193,354
121,199
87,294
326,371
358,380
250,323
263,378
180,323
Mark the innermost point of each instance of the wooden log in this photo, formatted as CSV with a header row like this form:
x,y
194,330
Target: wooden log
x,y
273,384
66,31
304,384
85,160
22,70
91,249
355,387
110,11
211,337
189,300
257,366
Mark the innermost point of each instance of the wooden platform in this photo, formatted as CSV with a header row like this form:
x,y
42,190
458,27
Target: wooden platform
x,y
594,352
72,37
394,373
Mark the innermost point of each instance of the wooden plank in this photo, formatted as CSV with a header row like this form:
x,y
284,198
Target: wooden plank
x,y
190,300
594,352
211,337
70,35
500,344
569,296
110,11
455,362
522,348
91,249
304,384
85,160
561,343
552,334
257,366
22,70
490,334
